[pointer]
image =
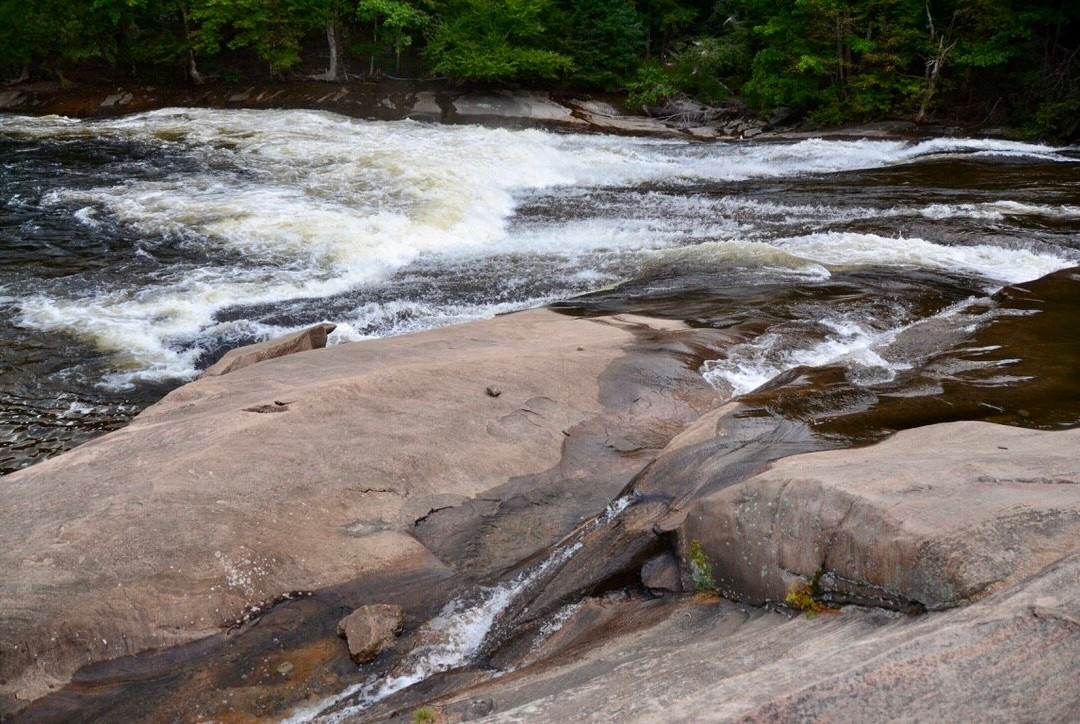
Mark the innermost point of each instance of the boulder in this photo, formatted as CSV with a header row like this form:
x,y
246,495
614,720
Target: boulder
x,y
662,573
1013,656
704,133
11,99
426,104
596,107
308,339
935,517
370,629
629,125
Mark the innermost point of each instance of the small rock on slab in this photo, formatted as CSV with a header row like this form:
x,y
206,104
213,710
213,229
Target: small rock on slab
x,y
369,629
662,573
308,339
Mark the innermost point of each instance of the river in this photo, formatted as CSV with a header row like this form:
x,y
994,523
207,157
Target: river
x,y
135,251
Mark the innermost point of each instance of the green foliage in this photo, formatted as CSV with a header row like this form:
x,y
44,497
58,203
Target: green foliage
x,y
651,86
604,38
493,40
272,29
701,570
1057,119
425,714
398,21
837,61
707,69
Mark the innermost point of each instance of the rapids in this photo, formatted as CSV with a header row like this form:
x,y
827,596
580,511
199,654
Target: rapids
x,y
135,251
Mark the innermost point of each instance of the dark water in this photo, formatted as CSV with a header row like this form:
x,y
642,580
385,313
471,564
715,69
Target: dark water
x,y
852,277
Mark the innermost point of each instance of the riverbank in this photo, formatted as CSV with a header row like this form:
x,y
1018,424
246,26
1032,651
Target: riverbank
x,y
431,101
195,564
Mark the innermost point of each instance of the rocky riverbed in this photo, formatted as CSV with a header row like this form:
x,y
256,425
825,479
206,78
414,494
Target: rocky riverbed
x,y
506,483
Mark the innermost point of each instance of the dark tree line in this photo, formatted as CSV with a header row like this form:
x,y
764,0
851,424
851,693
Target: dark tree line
x,y
1013,61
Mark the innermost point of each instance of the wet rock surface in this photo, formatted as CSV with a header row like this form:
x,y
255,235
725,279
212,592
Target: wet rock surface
x,y
602,457
662,573
1010,656
430,101
983,659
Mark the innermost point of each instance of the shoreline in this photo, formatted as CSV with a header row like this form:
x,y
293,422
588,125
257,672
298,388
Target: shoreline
x,y
436,102
423,500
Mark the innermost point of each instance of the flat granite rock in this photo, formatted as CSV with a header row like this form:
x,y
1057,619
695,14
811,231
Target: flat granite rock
x,y
937,516
515,105
166,531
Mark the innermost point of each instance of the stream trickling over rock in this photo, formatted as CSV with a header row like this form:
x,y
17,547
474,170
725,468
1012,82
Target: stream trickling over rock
x,y
135,251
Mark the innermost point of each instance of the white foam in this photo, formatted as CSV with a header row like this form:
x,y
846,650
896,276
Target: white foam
x,y
947,147
448,641
845,249
749,366
852,343
305,204
999,210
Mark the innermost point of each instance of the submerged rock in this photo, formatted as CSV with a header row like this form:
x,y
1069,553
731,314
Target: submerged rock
x,y
370,629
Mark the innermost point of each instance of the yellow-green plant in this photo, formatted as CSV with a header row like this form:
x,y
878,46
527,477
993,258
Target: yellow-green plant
x,y
806,596
701,570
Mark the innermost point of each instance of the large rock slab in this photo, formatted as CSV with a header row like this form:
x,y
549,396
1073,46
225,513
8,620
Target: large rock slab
x,y
937,516
537,107
1014,656
164,532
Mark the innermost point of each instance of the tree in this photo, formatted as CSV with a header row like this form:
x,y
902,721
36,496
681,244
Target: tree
x,y
494,40
271,29
605,39
400,22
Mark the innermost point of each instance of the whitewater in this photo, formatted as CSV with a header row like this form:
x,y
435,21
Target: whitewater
x,y
181,233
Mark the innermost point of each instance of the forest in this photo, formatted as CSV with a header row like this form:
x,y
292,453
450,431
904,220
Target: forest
x,y
831,62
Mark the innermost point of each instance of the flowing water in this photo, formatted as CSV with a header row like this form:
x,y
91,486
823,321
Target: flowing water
x,y
135,251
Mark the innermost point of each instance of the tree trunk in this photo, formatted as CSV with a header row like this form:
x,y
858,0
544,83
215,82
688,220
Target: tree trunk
x,y
335,71
192,68
934,64
374,44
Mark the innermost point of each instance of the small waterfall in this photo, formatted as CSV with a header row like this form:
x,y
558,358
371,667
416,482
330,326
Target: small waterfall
x,y
454,637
